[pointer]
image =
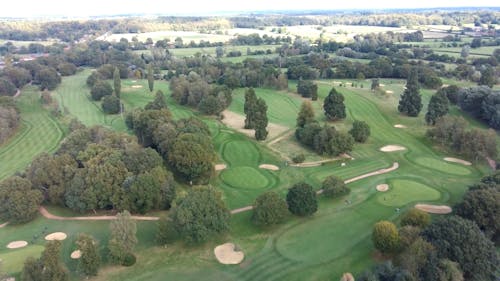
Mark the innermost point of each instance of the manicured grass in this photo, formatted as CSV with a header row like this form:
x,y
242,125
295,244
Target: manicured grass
x,y
244,177
12,260
402,192
39,132
442,166
241,153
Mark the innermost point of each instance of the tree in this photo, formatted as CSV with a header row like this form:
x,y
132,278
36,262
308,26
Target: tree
x,y
488,77
269,208
167,233
7,88
375,84
306,114
411,101
334,105
438,107
201,215
360,131
111,105
476,43
158,103
334,186
101,89
464,53
307,89
261,120
462,241
249,108
193,156
117,82
385,237
482,206
90,259
48,78
415,217
66,68
18,201
32,270
151,79
340,143
301,199
219,52
123,237
52,268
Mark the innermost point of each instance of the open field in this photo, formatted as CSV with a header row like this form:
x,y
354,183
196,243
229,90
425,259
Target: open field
x,y
38,132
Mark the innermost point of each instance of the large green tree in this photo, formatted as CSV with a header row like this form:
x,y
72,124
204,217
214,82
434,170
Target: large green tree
x,y
90,259
334,186
261,120
302,200
18,201
269,208
462,241
250,108
123,237
415,217
201,215
117,82
360,131
101,89
385,237
438,107
306,114
334,105
158,103
411,101
307,89
52,268
111,105
488,77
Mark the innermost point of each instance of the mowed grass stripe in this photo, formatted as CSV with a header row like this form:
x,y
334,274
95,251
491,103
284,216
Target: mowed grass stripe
x,y
40,133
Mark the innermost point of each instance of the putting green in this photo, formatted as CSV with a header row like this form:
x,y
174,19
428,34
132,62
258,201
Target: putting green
x,y
442,166
406,191
244,177
241,153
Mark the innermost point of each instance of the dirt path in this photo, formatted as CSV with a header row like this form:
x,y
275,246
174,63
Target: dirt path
x,y
276,140
18,93
48,215
320,162
3,224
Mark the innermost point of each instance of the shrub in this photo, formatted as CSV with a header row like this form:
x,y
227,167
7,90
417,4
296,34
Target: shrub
x,y
129,260
334,187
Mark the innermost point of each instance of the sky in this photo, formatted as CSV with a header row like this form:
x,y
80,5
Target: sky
x,y
85,8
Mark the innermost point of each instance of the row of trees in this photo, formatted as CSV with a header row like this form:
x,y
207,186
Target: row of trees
x,y
9,118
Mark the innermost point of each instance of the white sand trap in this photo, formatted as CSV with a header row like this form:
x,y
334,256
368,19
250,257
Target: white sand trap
x,y
56,236
219,167
382,187
399,126
226,254
269,167
434,209
389,92
391,148
237,122
136,86
456,160
76,254
347,277
382,85
17,244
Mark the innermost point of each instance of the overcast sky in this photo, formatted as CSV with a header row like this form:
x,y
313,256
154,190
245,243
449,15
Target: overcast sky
x,y
84,8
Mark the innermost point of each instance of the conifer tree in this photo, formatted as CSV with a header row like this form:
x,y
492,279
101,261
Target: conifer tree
x,y
151,79
260,120
438,107
411,101
117,82
334,105
250,108
306,114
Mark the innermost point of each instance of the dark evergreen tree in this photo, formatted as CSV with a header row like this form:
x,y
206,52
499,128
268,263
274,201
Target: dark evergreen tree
x,y
411,101
334,105
250,108
302,200
117,82
151,78
261,120
306,114
438,107
360,131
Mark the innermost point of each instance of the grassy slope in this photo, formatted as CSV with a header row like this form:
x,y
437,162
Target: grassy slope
x,y
39,132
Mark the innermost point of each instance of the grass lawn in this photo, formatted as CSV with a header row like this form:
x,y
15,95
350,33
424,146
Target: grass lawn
x,y
38,132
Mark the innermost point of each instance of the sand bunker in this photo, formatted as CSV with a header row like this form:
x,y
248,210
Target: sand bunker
x,y
399,126
136,86
56,236
434,209
17,244
347,277
219,167
76,254
269,167
391,148
381,85
456,160
226,254
389,92
382,187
